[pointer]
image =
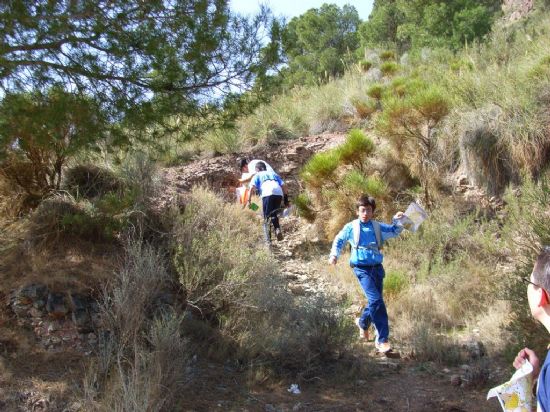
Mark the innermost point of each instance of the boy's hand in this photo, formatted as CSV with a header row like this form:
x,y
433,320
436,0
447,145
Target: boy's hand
x,y
528,354
398,215
332,260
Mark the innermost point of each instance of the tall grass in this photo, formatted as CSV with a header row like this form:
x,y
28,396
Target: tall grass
x,y
526,231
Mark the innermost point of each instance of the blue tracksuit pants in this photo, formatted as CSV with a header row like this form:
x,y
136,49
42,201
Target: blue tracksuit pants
x,y
371,279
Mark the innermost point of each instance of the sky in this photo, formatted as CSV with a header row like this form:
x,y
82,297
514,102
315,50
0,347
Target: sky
x,y
293,8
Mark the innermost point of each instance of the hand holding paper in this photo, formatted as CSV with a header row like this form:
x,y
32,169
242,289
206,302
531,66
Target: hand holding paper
x,y
413,217
516,394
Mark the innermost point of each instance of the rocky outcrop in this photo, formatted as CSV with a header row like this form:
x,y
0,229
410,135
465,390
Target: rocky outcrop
x,y
221,173
517,9
59,320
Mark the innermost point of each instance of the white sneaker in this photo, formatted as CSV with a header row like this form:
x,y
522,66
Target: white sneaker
x,y
383,347
363,333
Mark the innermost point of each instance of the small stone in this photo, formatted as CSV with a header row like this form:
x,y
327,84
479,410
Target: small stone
x,y
35,313
456,380
82,320
56,305
21,311
297,290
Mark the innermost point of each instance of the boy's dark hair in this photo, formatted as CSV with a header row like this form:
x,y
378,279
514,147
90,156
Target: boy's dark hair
x,y
541,271
366,200
242,163
261,167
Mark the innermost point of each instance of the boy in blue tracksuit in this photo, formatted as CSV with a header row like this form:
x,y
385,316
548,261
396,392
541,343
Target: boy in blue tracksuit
x,y
538,290
366,237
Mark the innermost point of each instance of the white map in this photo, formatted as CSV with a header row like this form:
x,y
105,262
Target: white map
x,y
413,217
516,395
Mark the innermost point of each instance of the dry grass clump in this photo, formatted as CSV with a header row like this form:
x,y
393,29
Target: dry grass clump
x,y
142,357
449,277
231,280
90,181
60,219
12,201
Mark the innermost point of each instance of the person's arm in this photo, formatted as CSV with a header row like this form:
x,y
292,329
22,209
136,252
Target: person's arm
x,y
247,177
254,187
392,230
339,241
531,356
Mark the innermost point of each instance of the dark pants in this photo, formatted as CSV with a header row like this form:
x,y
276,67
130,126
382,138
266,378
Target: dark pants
x,y
270,206
371,279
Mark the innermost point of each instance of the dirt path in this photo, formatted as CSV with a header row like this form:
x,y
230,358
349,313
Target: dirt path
x,y
407,388
391,384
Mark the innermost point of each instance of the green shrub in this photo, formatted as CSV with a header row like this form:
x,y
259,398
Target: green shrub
x,y
304,206
394,283
389,68
375,91
387,55
540,72
365,65
320,168
223,141
355,184
363,107
355,149
112,204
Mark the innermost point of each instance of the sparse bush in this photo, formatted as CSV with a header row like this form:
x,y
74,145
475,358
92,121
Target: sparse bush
x,y
216,268
139,172
142,360
59,219
411,123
